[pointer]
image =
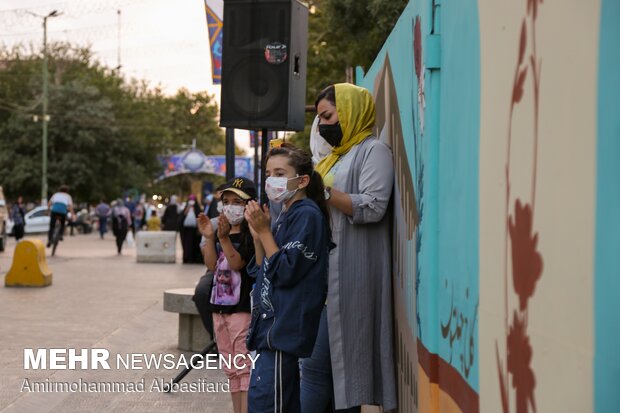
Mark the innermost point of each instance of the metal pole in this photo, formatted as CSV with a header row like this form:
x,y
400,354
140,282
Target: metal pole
x,y
118,57
230,153
44,120
264,150
256,160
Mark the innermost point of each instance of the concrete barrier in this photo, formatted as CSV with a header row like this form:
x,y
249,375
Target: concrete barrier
x,y
192,334
156,246
29,267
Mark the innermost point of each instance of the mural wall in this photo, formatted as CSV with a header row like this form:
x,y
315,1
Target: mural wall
x,y
503,120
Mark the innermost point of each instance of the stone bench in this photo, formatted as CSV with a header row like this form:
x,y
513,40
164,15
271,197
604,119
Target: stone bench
x,y
156,246
192,334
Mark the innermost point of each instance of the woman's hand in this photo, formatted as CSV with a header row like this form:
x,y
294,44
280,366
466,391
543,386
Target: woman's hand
x,y
205,227
258,218
223,227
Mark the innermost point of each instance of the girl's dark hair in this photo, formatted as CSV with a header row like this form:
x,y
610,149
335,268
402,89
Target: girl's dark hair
x,y
246,240
301,160
328,93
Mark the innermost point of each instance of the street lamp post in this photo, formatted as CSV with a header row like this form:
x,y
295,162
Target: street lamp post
x,y
45,117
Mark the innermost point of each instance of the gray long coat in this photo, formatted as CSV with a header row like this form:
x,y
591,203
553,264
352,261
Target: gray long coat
x,y
359,303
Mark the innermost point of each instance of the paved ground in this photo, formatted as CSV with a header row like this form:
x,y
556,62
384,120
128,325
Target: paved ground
x,y
98,300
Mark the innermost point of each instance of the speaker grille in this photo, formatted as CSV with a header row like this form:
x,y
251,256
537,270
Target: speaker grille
x,y
256,88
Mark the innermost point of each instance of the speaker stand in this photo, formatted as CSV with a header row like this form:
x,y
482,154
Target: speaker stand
x,y
230,153
256,160
264,149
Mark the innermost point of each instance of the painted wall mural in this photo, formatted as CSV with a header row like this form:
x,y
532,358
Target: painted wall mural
x,y
521,239
388,127
506,145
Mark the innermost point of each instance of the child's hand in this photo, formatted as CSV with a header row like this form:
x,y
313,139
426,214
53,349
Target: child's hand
x,y
223,227
254,233
258,218
205,227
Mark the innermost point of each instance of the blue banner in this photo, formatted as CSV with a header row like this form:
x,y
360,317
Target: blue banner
x,y
194,161
215,23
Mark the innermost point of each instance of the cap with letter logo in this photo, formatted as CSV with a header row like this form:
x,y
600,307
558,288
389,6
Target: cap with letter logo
x,y
242,187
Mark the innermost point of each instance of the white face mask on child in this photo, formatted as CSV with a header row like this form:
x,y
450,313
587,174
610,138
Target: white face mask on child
x,y
234,213
277,190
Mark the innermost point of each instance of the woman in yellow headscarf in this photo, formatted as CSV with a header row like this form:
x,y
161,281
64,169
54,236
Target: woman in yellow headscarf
x,y
352,363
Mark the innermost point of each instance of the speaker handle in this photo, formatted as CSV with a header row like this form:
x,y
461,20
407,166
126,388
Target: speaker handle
x,y
264,149
296,64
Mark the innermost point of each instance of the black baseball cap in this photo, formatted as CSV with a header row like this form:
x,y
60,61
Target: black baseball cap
x,y
242,187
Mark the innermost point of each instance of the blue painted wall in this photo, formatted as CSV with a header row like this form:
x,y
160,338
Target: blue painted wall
x,y
457,163
444,163
607,255
443,270
400,48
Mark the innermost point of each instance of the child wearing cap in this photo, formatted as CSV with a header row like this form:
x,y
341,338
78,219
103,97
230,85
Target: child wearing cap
x,y
227,252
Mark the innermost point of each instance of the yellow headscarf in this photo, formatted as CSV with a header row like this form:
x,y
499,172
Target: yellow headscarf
x,y
356,114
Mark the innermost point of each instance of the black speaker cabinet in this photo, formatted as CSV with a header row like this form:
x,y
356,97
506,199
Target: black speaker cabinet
x,y
264,64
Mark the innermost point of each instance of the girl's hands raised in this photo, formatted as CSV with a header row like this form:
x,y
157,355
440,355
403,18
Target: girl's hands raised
x,y
223,227
258,218
205,227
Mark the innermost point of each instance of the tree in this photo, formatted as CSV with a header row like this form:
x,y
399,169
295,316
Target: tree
x,y
104,132
342,34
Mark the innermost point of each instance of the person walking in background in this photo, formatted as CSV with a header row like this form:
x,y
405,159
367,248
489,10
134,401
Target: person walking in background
x,y
190,236
153,223
226,254
355,337
81,222
148,211
207,199
170,220
18,213
290,267
131,206
103,212
215,207
121,221
138,216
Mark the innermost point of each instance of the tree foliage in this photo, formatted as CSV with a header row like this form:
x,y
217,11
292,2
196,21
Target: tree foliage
x,y
104,133
342,34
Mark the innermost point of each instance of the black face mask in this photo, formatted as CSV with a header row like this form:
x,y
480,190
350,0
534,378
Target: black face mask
x,y
331,133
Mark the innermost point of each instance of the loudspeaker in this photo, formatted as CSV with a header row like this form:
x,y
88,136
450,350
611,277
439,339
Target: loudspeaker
x,y
264,64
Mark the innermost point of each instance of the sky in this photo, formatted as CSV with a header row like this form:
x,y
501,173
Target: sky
x,y
165,42
160,40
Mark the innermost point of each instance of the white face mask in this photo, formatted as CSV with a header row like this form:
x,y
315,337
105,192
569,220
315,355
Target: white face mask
x,y
220,207
191,202
318,146
277,190
234,213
